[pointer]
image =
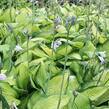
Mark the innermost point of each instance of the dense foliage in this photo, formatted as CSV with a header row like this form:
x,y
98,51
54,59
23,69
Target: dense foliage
x,y
54,56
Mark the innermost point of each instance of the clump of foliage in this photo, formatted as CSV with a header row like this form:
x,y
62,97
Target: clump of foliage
x,y
54,56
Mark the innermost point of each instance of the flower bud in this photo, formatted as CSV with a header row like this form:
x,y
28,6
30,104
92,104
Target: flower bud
x,y
56,21
3,77
75,93
73,20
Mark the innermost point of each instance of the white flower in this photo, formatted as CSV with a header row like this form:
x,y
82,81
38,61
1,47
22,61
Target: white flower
x,y
103,61
102,53
58,26
57,43
63,40
36,2
17,12
3,77
13,106
31,1
18,48
71,77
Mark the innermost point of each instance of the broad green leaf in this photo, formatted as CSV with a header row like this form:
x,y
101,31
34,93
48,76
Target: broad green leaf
x,y
51,102
98,94
102,107
8,16
95,31
68,63
9,93
64,11
78,44
24,16
74,28
37,61
79,102
105,47
30,44
47,50
45,34
88,49
104,80
62,51
55,83
73,83
7,89
41,75
36,96
22,78
3,103
61,29
24,102
4,47
77,69
24,57
75,56
39,53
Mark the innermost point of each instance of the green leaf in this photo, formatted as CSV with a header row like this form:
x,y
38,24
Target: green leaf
x,y
77,69
61,51
51,102
47,50
77,44
105,47
37,61
41,75
79,102
39,53
4,102
24,57
36,96
75,56
8,16
73,83
98,94
102,107
4,47
22,78
88,50
9,93
55,83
